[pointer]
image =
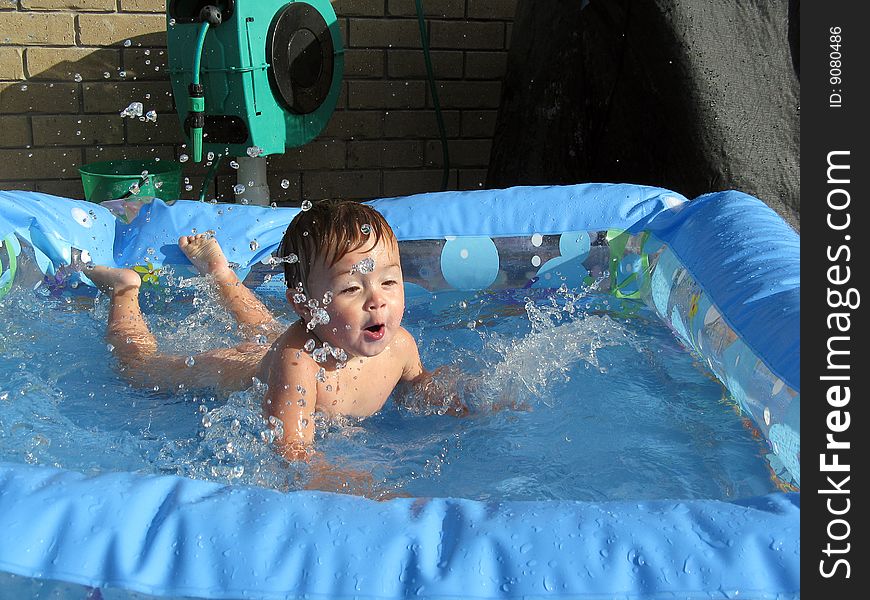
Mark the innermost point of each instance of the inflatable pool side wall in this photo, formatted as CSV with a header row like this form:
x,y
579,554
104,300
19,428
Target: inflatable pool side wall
x,y
721,270
731,292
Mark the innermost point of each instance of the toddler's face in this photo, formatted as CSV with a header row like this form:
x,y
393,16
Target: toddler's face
x,y
367,299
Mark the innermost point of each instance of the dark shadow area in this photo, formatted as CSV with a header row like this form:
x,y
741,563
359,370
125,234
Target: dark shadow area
x,y
693,97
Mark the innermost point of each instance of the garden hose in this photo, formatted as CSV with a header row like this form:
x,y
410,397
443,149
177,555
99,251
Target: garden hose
x,y
197,96
209,177
430,74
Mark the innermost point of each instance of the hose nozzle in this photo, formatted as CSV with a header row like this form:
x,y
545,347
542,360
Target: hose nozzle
x,y
197,119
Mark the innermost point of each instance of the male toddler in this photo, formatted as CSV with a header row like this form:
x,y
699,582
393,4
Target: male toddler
x,y
345,354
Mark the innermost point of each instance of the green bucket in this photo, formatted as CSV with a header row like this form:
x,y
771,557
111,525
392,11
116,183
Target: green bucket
x,y
131,179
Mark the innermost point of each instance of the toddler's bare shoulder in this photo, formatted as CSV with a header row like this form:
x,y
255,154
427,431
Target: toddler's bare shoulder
x,y
404,337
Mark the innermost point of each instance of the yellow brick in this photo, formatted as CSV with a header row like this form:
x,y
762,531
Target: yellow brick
x,y
28,97
78,130
114,97
114,29
145,63
166,130
65,63
103,5
28,186
37,29
16,131
101,153
11,63
65,188
39,163
156,6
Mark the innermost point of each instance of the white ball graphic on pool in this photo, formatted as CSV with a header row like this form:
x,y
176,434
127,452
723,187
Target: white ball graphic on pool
x,y
81,217
469,263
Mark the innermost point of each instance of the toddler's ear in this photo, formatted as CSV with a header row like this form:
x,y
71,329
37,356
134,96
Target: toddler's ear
x,y
300,309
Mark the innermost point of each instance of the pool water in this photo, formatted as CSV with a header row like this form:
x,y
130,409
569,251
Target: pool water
x,y
573,397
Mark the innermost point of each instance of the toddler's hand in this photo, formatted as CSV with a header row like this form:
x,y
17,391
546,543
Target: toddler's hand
x,y
330,478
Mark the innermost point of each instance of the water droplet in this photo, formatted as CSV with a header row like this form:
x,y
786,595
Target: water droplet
x,y
366,265
190,361
183,158
254,151
306,205
310,345
285,183
134,109
366,228
77,77
128,43
239,189
318,317
234,164
254,245
320,354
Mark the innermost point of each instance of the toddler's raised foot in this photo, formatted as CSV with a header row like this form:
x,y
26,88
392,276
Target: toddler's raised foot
x,y
204,252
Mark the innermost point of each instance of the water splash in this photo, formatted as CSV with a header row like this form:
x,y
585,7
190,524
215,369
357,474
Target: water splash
x,y
562,334
134,109
366,265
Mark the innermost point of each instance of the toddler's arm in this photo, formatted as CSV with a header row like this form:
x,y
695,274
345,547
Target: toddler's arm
x,y
292,398
437,389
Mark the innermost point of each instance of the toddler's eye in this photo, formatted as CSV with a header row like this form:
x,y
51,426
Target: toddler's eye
x,y
390,282
350,290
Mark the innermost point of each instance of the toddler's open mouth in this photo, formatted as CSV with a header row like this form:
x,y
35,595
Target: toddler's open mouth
x,y
374,332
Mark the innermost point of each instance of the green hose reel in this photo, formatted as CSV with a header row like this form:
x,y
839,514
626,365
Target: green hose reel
x,y
260,76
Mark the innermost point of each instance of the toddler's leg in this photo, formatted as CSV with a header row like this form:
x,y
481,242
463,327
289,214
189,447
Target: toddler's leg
x,y
206,255
136,347
126,330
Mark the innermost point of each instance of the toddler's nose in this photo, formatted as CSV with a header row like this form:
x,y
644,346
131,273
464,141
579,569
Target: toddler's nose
x,y
376,300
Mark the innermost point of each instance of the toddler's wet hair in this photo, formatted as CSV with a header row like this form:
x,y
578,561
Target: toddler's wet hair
x,y
328,231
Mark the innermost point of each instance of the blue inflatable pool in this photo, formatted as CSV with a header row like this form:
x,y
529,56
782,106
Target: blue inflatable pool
x,y
721,270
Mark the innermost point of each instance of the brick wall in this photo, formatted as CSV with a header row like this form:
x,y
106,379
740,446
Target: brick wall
x,y
69,67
